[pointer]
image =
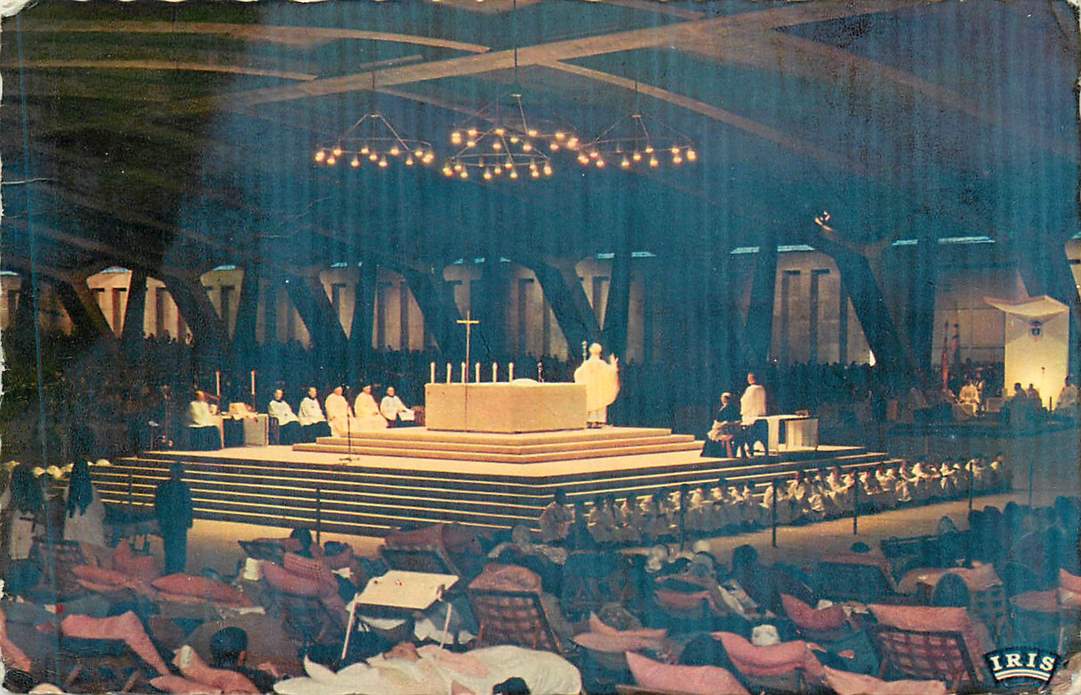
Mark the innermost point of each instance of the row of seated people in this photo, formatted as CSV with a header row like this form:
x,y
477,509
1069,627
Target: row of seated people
x,y
308,422
732,507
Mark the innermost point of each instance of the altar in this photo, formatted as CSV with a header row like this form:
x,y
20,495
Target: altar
x,y
518,406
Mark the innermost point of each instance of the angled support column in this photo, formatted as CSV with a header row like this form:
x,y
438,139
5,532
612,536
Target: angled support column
x,y
243,351
617,311
207,329
360,331
873,313
559,282
758,330
82,308
721,307
247,314
131,337
22,322
310,298
491,311
435,297
921,303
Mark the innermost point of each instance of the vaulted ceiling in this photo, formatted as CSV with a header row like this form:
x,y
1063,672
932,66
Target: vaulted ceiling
x,y
182,134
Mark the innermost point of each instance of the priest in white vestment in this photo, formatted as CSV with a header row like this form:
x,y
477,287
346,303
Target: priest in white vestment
x,y
288,423
202,427
393,409
752,407
602,384
367,412
311,418
1067,397
339,414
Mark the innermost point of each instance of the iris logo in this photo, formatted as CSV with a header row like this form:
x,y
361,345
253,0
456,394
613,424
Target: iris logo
x,y
1021,665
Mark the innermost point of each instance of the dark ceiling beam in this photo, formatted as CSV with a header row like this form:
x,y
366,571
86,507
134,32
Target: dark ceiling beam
x,y
793,55
720,115
131,257
293,36
17,261
159,66
566,50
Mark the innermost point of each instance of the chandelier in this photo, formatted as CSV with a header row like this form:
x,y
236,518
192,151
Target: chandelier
x,y
374,140
500,141
636,141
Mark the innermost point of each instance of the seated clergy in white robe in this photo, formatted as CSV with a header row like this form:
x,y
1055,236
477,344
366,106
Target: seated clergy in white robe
x,y
602,384
288,423
393,409
202,426
339,414
312,422
367,412
1067,397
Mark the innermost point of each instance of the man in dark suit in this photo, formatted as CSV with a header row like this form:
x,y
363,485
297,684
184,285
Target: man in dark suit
x,y
172,506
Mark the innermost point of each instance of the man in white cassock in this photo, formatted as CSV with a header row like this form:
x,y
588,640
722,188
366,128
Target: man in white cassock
x,y
202,427
1067,397
288,423
311,418
752,407
393,409
367,412
602,385
339,414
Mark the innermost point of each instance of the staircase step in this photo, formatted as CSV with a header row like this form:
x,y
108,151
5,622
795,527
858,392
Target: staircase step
x,y
565,455
373,496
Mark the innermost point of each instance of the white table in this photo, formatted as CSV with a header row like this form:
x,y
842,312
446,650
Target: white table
x,y
405,591
505,408
801,432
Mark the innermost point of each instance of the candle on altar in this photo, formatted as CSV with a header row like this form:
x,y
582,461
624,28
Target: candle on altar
x,y
431,379
450,372
217,383
463,372
253,387
495,371
476,369
510,372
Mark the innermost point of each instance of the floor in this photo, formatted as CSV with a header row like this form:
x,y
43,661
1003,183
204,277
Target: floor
x,y
213,543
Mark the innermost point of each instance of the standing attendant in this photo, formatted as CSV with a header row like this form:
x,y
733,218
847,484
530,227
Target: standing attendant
x,y
84,520
752,407
312,421
288,422
172,506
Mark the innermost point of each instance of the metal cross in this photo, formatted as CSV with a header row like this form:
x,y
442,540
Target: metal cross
x,y
468,322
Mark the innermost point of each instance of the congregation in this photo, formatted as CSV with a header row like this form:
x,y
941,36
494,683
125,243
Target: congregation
x,y
578,613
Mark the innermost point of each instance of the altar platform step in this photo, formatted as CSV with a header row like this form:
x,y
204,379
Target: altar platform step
x,y
537,447
368,495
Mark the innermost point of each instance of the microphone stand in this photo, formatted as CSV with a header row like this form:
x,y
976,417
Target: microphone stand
x,y
348,435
